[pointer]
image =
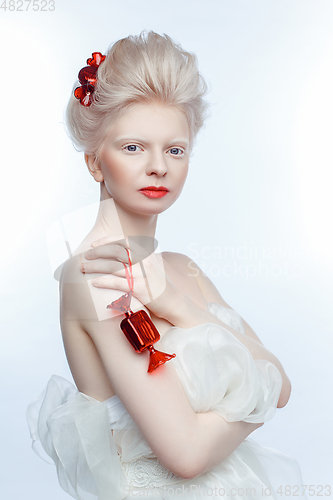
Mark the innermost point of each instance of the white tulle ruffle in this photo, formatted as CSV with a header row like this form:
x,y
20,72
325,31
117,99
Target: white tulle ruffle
x,y
219,374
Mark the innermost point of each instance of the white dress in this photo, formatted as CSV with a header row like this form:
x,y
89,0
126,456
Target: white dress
x,y
101,454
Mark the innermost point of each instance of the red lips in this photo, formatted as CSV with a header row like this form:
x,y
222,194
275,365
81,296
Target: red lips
x,y
154,192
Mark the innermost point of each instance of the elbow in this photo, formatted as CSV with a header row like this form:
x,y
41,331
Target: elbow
x,y
185,453
192,463
188,464
285,393
189,469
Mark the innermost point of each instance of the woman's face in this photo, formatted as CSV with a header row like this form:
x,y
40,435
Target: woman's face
x,y
146,147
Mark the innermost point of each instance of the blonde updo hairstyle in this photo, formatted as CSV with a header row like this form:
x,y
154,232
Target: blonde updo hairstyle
x,y
142,68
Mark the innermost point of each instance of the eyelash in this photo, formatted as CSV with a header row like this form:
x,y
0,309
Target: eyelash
x,y
182,152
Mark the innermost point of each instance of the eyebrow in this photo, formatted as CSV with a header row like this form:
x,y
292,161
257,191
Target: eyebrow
x,y
140,139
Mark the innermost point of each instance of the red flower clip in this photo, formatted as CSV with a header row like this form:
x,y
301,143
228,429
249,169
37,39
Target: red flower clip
x,y
88,77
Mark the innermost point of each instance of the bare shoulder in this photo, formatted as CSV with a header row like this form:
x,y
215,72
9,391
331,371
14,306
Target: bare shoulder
x,y
187,266
181,262
76,300
70,271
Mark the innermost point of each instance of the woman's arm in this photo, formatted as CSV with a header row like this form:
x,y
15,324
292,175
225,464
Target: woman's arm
x,y
185,442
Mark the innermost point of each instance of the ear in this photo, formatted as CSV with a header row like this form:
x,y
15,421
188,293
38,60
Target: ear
x,y
94,167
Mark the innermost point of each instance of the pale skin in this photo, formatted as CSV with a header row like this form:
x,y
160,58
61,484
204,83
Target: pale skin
x,y
148,145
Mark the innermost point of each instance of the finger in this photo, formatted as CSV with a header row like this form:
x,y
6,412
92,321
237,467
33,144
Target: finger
x,y
142,246
107,251
111,282
105,243
117,251
137,251
103,266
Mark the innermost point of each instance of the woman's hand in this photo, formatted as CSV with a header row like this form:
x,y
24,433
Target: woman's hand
x,y
151,285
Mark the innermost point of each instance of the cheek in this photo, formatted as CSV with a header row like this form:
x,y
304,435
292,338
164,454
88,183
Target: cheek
x,y
119,177
115,173
183,174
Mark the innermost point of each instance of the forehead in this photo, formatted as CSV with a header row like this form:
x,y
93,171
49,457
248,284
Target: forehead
x,y
152,121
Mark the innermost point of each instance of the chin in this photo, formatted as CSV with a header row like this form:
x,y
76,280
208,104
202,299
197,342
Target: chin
x,y
151,207
151,211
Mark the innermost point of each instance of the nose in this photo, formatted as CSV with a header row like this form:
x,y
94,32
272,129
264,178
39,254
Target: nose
x,y
157,164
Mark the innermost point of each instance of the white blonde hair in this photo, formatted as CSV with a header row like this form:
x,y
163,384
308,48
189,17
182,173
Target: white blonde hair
x,y
142,68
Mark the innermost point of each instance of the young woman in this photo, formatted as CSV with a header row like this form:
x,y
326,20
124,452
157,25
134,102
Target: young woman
x,y
180,430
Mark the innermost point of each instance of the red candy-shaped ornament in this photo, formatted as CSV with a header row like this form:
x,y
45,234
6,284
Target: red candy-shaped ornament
x,y
141,332
88,78
138,328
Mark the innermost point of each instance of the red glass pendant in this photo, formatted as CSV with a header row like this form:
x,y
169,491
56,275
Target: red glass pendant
x,y
138,327
141,332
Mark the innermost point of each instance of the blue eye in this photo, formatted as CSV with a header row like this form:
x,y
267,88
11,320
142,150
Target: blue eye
x,y
176,151
132,148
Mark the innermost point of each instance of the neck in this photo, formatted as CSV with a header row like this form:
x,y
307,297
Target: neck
x,y
117,222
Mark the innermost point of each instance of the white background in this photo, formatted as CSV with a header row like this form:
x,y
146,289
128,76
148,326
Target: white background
x,y
255,214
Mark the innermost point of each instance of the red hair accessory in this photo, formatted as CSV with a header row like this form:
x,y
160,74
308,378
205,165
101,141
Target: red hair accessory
x,y
138,328
88,77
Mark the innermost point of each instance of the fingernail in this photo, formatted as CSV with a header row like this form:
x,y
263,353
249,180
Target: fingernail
x,y
82,267
95,282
